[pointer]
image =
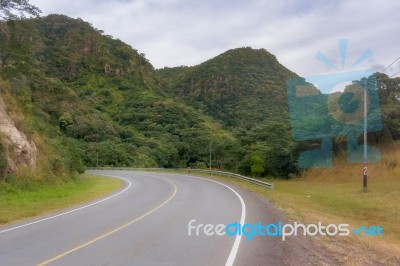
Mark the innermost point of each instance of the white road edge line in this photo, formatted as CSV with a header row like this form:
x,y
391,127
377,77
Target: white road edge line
x,y
235,247
74,210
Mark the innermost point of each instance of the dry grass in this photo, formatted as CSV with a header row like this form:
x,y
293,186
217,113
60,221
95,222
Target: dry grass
x,y
335,195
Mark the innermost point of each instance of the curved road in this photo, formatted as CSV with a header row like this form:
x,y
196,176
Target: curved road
x,y
147,224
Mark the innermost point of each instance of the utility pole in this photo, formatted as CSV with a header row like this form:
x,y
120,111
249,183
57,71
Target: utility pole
x,y
365,178
210,155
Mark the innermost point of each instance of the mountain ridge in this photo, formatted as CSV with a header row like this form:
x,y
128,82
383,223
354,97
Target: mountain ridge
x,y
106,105
252,77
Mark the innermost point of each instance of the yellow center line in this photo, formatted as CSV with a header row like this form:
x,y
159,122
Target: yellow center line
x,y
111,232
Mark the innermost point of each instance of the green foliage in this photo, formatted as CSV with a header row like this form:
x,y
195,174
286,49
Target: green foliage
x,y
75,155
257,165
20,200
95,101
389,97
274,143
239,88
17,40
245,90
66,121
198,165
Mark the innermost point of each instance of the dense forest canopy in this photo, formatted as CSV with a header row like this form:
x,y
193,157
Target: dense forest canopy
x,y
88,99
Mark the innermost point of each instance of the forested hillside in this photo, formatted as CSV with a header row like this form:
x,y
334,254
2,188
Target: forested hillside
x,y
87,99
240,88
93,100
245,91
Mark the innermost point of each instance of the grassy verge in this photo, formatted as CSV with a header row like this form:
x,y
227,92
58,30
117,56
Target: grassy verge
x,y
19,202
335,196
313,201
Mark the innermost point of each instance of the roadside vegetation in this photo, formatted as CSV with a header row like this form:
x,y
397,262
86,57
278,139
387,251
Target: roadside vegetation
x,y
20,199
335,195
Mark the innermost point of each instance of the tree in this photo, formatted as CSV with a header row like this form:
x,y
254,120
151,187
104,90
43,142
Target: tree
x,y
257,165
389,95
4,43
15,9
66,121
12,33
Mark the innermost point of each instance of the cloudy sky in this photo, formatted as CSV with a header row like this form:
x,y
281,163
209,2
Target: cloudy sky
x,y
179,32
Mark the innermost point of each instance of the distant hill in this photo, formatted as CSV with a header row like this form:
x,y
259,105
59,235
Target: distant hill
x,y
239,88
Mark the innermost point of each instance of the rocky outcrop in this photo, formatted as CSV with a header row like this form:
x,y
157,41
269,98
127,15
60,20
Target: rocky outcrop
x,y
18,149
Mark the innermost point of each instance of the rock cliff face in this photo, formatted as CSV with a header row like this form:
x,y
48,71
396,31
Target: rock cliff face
x,y
18,149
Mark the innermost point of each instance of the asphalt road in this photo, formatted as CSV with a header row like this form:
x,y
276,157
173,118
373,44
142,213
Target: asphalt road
x,y
147,224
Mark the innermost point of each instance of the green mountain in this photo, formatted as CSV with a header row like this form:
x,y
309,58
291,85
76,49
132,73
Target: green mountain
x,y
240,88
245,91
73,97
93,100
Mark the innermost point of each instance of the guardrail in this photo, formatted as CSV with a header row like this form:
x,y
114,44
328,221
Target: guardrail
x,y
246,178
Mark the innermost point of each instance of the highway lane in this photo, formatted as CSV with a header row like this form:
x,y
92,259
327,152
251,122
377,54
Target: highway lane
x,y
147,224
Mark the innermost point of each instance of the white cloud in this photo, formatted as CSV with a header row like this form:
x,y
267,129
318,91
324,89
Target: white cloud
x,y
178,32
